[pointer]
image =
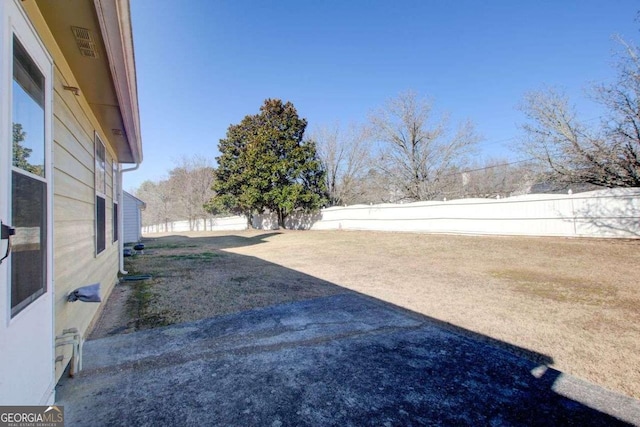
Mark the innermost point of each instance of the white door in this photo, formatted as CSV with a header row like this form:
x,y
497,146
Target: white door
x,y
26,292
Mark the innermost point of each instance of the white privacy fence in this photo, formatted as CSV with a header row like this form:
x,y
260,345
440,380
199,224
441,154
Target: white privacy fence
x,y
602,213
211,224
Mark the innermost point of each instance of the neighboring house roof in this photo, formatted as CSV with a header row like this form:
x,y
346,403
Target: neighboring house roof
x,y
102,61
550,187
138,201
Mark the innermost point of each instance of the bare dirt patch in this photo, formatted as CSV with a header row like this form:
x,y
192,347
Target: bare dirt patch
x,y
574,300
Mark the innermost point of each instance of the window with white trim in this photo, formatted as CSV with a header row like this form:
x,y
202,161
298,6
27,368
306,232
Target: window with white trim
x,y
28,181
101,189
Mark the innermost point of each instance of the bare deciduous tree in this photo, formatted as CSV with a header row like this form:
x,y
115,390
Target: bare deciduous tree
x,y
345,156
607,155
496,177
181,196
417,149
191,182
159,199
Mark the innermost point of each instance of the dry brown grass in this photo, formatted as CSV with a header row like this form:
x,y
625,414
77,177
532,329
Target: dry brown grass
x,y
575,300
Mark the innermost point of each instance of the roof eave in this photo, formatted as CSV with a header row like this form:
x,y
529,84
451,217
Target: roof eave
x,y
115,24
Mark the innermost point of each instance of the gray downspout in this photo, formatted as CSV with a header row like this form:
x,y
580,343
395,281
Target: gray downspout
x,y
121,217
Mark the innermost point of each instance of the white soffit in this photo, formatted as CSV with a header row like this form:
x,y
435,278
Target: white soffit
x,y
95,37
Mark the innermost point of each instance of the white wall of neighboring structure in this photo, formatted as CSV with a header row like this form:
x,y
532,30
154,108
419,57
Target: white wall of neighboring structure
x,y
602,213
132,218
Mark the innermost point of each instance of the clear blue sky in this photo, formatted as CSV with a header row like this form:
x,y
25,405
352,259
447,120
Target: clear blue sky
x,y
203,65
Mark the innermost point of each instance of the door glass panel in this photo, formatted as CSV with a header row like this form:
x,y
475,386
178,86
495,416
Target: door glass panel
x,y
28,112
28,192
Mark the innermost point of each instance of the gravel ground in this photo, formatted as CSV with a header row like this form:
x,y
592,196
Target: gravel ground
x,y
575,301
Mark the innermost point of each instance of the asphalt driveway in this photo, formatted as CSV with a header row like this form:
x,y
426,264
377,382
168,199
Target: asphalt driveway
x,y
344,360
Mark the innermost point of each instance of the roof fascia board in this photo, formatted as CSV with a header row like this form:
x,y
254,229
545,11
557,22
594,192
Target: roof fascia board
x,y
115,23
134,197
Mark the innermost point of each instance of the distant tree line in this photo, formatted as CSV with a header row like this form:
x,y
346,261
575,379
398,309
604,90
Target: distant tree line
x,y
569,150
406,152
181,196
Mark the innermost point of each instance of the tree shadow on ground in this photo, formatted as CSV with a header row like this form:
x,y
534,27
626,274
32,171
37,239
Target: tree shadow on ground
x,y
331,357
176,241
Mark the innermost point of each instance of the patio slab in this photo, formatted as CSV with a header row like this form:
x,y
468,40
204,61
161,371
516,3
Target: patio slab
x,y
344,360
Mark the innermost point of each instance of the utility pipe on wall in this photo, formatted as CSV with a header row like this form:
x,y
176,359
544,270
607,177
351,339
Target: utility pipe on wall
x,y
121,217
72,337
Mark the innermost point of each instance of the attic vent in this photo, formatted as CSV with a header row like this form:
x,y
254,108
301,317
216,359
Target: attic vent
x,y
85,42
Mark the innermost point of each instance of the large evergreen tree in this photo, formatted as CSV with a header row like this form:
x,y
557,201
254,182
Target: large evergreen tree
x,y
265,165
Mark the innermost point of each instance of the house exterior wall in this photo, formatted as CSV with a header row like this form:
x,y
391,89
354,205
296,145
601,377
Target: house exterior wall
x,y
26,325
74,219
132,219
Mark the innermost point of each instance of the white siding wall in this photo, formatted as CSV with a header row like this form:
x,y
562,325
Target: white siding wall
x,y
75,261
132,219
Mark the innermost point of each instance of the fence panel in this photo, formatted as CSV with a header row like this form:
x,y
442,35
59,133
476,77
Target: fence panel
x,y
602,213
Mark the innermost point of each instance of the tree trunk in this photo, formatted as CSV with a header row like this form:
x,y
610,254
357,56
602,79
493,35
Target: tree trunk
x,y
281,218
249,223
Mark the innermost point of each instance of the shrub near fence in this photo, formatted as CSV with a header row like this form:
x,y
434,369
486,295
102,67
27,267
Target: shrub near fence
x,y
602,213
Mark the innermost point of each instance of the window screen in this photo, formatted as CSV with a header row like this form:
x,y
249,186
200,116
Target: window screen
x,y
101,227
115,222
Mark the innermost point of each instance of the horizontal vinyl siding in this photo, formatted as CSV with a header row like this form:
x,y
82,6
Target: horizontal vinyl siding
x,y
131,219
75,262
78,150
82,211
74,190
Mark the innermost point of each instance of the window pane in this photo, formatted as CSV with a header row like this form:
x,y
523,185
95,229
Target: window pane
x,y
101,227
114,183
28,113
28,246
101,183
115,222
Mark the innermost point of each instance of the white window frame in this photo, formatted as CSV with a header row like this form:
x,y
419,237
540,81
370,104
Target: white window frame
x,y
22,30
97,144
99,148
27,337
